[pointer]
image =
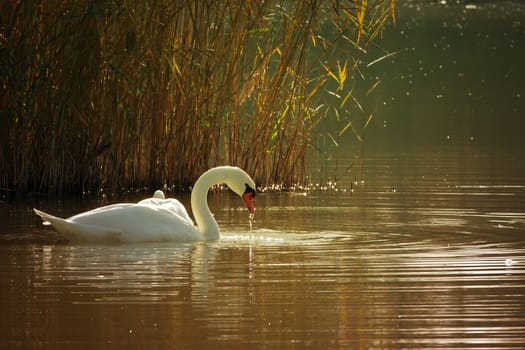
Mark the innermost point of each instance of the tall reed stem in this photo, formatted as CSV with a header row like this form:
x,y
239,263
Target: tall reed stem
x,y
116,95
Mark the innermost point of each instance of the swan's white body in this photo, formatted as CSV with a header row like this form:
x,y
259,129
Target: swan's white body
x,y
155,219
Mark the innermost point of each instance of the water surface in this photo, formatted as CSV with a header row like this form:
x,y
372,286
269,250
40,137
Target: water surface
x,y
429,257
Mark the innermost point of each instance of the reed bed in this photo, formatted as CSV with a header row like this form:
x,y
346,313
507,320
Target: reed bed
x,y
114,95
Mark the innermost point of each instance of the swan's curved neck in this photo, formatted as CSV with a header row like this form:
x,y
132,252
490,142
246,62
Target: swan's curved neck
x,y
199,202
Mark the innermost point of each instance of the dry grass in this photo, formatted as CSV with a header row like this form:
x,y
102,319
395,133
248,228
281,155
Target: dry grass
x,y
115,95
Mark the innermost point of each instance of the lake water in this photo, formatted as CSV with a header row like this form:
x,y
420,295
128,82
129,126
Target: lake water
x,y
421,245
430,253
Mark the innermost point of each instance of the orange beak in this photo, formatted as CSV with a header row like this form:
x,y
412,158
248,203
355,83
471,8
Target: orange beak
x,y
248,200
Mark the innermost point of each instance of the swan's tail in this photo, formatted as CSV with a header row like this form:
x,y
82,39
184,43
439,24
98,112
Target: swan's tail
x,y
77,232
48,219
59,224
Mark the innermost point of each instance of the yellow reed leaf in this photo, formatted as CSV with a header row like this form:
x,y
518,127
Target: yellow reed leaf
x,y
175,66
383,57
312,37
370,117
333,140
342,74
343,102
356,134
373,87
347,126
393,11
315,89
357,103
330,73
360,15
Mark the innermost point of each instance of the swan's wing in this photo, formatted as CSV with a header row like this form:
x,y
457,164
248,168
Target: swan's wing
x,y
142,222
170,205
78,232
152,201
103,209
176,208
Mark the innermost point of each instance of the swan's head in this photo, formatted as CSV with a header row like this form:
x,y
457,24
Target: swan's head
x,y
242,184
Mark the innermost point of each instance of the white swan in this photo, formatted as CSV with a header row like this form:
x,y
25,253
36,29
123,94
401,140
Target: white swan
x,y
155,219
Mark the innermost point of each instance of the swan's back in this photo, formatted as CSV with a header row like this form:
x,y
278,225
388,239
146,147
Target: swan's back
x,y
170,204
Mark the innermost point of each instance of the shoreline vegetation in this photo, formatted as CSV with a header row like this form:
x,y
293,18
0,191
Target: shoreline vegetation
x,y
109,95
